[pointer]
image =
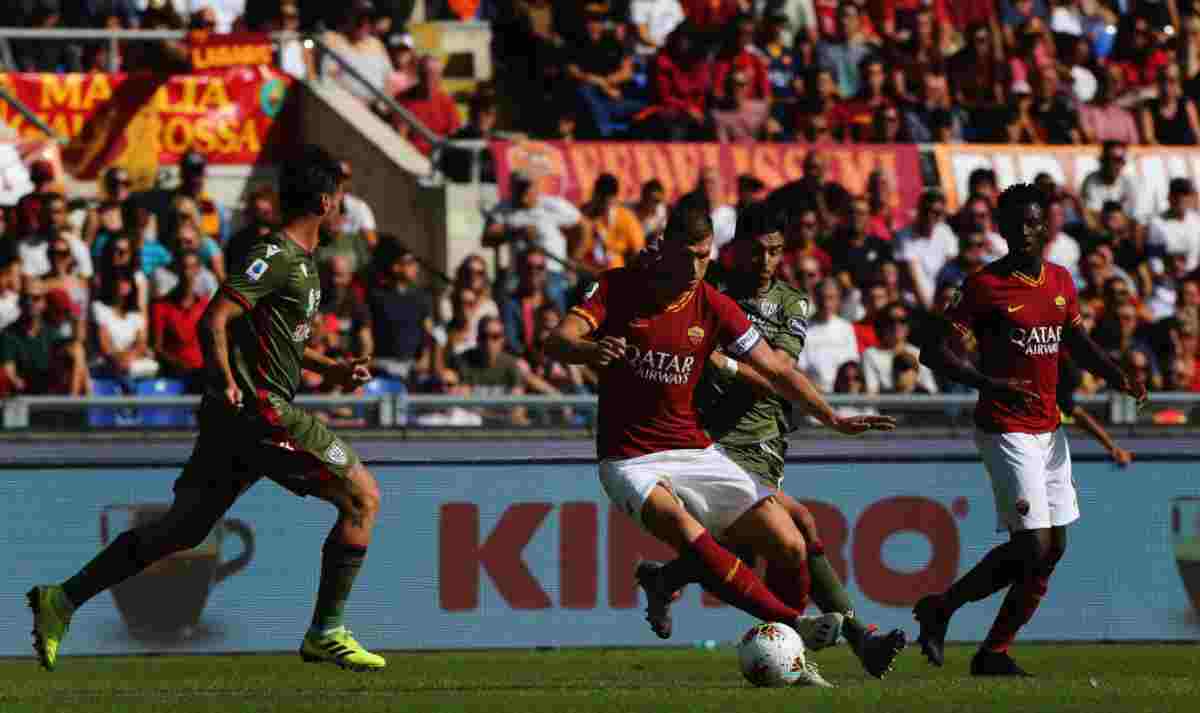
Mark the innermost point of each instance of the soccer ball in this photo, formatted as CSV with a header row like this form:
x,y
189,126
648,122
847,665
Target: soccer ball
x,y
771,655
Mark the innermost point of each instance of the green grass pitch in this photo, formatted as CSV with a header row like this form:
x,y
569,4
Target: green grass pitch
x,y
1090,678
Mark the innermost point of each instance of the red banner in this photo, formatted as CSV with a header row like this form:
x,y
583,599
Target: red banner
x,y
213,52
570,169
142,121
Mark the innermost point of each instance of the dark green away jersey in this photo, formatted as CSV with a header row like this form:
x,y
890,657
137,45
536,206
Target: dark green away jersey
x,y
730,410
277,283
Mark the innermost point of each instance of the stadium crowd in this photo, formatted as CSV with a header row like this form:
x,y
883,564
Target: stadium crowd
x,y
103,295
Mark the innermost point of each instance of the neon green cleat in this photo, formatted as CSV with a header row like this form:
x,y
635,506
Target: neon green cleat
x,y
50,622
339,648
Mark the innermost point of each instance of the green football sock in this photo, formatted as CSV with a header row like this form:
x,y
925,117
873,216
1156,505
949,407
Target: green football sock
x,y
339,566
830,596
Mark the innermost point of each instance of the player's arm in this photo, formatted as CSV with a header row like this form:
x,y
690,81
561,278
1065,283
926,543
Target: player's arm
x,y
347,373
790,383
1091,357
743,373
1093,427
571,343
214,339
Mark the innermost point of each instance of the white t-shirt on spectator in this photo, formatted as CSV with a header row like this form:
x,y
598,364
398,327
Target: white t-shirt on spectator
x,y
165,280
827,346
547,218
929,253
1095,193
659,17
122,331
228,11
1173,237
35,258
724,218
10,308
370,59
1064,251
357,217
877,370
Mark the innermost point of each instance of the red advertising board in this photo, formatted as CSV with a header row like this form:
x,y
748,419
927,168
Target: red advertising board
x,y
570,169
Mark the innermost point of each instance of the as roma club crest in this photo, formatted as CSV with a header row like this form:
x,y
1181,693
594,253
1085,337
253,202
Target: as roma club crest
x,y
695,335
1060,302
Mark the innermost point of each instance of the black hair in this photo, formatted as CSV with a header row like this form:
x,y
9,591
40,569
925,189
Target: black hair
x,y
652,186
304,177
1010,209
980,175
757,220
606,186
689,222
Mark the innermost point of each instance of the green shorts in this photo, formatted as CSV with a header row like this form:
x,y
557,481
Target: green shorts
x,y
762,460
270,438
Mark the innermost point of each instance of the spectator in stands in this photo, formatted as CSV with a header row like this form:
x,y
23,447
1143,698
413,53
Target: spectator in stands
x,y
188,238
933,106
355,42
819,118
431,104
1082,69
33,249
710,18
165,278
874,300
528,50
563,378
10,290
1170,118
1049,116
355,233
683,80
30,209
1127,242
94,13
831,341
784,68
1096,269
888,127
1170,287
173,321
611,234
458,164
979,84
1062,249
976,216
925,246
405,72
1104,120
855,253
165,57
1177,231
1136,51
1120,332
857,112
739,117
906,376
518,309
922,53
55,56
472,275
108,216
892,326
346,302
653,21
34,359
651,208
123,346
738,54
401,312
262,213
886,216
845,53
708,197
602,70
295,58
802,241
489,371
118,260
212,217
1110,182
67,293
532,219
850,381
972,249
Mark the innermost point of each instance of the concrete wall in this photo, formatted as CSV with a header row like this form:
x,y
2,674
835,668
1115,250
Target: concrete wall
x,y
388,171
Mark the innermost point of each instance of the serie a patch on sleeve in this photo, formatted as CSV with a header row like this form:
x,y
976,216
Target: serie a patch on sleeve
x,y
257,269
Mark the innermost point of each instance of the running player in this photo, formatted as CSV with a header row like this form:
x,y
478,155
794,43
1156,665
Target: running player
x,y
1020,309
254,334
750,422
656,330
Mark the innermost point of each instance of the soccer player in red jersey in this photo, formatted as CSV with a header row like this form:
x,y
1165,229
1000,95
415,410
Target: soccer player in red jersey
x,y
1021,310
649,333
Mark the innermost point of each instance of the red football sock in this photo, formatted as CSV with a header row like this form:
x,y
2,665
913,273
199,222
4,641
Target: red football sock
x,y
1019,605
736,584
790,584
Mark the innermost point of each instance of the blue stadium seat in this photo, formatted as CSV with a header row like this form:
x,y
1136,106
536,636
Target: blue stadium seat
x,y
104,416
178,417
381,387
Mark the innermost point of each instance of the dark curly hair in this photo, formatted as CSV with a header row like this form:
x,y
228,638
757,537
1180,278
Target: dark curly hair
x,y
1010,208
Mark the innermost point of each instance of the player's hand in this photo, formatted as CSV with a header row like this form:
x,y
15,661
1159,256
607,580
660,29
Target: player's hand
x,y
855,425
609,349
233,397
1015,391
1122,457
352,373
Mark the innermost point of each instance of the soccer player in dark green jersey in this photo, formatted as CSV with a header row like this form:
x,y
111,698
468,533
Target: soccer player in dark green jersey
x,y
750,421
254,335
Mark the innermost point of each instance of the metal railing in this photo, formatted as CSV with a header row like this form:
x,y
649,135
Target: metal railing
x,y
398,410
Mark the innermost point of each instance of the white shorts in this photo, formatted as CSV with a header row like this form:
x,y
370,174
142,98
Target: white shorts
x,y
1031,479
714,489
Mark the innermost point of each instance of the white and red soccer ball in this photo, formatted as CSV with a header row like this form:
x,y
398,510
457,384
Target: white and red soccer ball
x,y
771,655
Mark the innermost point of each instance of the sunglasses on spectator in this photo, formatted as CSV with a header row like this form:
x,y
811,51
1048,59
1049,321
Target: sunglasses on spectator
x,y
493,336
535,266
60,252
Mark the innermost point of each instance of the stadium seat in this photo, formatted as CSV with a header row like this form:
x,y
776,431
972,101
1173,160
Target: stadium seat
x,y
381,387
167,416
104,416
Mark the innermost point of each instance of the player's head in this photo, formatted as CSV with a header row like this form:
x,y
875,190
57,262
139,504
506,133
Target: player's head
x,y
758,243
311,184
1021,217
686,247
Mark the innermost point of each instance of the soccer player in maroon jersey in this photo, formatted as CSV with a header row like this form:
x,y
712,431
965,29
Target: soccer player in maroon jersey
x,y
1021,310
649,333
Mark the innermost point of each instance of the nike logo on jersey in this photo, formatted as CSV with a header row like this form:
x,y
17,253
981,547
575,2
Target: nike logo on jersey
x,y
1015,308
272,250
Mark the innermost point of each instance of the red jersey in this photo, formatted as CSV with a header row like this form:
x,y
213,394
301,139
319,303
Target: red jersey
x,y
646,400
1018,321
